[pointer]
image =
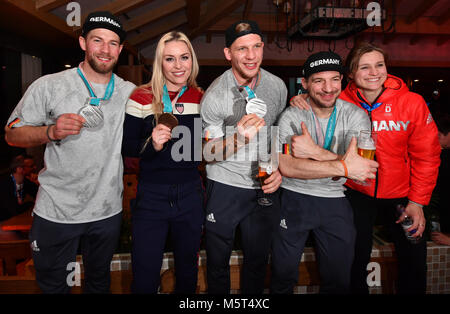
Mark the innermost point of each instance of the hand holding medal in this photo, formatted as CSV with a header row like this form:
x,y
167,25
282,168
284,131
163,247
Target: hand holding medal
x,y
92,115
162,133
256,109
168,119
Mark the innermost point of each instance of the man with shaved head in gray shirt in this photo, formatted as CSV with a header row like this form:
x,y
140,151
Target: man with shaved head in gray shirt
x,y
234,128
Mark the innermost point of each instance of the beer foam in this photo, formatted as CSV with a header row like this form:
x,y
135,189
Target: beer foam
x,y
369,145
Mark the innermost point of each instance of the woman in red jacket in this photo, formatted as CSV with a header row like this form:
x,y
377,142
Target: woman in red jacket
x,y
407,151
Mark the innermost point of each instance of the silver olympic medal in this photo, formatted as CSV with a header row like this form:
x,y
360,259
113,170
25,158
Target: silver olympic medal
x,y
93,116
256,106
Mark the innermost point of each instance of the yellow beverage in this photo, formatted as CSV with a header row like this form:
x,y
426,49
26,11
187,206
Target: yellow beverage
x,y
262,175
366,153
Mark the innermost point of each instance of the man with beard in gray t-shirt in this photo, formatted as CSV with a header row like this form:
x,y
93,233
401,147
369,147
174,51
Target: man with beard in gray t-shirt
x,y
78,114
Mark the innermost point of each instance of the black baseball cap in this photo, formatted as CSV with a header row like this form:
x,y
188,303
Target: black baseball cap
x,y
103,19
323,61
232,34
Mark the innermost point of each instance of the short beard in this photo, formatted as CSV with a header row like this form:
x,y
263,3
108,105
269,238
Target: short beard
x,y
100,69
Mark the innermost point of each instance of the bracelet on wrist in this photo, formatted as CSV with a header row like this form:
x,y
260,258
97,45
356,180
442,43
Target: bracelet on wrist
x,y
420,205
57,142
345,167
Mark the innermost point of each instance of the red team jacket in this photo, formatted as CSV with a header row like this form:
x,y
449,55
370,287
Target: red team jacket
x,y
408,149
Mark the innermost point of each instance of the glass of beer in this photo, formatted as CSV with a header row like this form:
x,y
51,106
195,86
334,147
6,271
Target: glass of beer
x,y
367,143
264,171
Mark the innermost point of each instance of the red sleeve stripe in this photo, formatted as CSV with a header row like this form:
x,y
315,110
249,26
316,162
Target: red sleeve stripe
x,y
12,123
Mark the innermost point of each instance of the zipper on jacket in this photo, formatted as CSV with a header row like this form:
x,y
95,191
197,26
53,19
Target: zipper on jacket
x,y
370,118
375,158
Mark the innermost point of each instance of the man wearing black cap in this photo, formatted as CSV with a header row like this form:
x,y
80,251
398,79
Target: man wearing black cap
x,y
78,114
312,192
235,108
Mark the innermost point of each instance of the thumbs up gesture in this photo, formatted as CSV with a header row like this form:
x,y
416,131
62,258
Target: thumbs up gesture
x,y
359,168
303,146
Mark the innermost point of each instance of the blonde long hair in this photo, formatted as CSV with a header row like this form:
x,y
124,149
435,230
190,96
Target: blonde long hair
x,y
158,80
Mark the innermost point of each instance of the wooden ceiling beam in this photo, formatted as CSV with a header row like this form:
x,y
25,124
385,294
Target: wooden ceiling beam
x,y
48,5
58,23
193,13
170,23
216,13
51,19
443,18
154,15
419,10
247,8
122,6
118,7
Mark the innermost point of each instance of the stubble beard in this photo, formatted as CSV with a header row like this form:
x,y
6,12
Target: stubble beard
x,y
101,68
322,105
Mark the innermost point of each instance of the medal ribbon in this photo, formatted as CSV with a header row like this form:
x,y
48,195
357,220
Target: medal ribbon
x,y
95,101
325,142
166,98
250,92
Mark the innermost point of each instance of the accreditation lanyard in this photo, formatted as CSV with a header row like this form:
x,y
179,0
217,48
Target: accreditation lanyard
x,y
369,108
168,104
325,141
94,100
17,192
250,92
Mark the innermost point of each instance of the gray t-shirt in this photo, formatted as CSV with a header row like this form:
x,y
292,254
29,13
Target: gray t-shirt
x,y
82,178
350,119
222,106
